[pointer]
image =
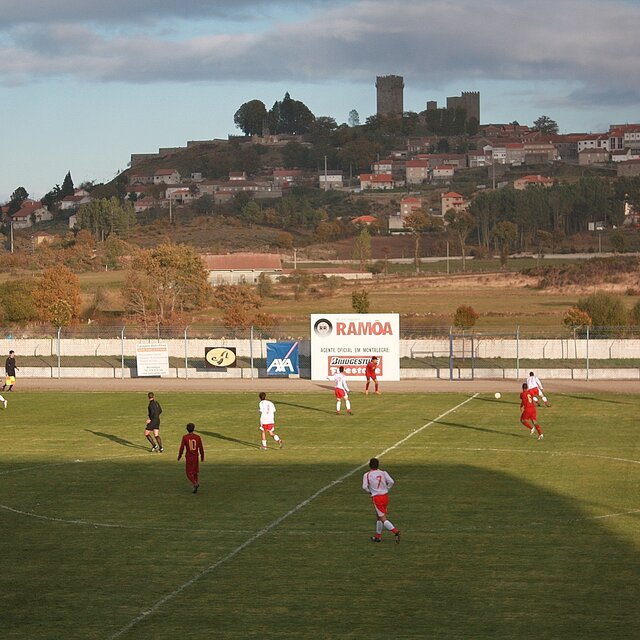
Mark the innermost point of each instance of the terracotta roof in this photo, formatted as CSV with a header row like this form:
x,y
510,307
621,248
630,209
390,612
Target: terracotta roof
x,y
364,220
164,172
410,199
417,163
242,261
452,194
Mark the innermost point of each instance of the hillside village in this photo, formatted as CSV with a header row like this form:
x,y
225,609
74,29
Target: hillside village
x,y
434,174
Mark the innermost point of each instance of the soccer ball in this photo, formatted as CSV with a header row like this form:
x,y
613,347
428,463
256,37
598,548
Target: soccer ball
x,y
497,395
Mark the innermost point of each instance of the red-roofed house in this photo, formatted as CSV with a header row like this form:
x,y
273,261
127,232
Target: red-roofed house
x,y
417,171
453,200
532,181
409,204
30,212
376,181
235,268
73,202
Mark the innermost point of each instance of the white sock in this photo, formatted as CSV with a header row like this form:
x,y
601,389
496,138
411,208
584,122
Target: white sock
x,y
388,525
338,404
276,437
348,404
2,399
378,527
264,444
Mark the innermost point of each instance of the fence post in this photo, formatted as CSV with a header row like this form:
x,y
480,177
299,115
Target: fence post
x,y
473,360
518,352
587,352
251,350
186,353
122,353
450,353
59,332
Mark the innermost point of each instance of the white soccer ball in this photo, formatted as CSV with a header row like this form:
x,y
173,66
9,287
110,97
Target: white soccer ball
x,y
497,395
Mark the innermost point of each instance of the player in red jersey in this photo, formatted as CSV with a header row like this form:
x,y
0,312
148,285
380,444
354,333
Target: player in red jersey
x,y
529,416
377,483
191,445
370,373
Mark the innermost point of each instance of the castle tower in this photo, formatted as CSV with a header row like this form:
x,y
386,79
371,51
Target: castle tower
x,y
468,100
389,90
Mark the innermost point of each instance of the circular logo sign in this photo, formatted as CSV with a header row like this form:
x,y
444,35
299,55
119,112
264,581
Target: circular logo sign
x,y
323,328
220,357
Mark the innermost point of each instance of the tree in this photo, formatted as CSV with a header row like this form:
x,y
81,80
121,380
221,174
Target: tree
x,y
461,223
354,118
290,116
67,188
251,117
106,216
16,200
360,301
546,126
575,318
604,309
362,248
204,204
171,278
418,222
57,296
505,233
16,301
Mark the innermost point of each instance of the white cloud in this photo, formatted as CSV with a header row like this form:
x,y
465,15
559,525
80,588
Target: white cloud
x,y
591,43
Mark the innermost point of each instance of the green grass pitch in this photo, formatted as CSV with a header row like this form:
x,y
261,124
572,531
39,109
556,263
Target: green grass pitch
x,y
502,536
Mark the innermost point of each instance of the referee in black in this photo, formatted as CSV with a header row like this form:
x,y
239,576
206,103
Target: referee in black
x,y
153,423
10,371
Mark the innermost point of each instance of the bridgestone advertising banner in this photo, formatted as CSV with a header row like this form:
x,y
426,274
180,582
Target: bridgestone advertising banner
x,y
152,359
350,340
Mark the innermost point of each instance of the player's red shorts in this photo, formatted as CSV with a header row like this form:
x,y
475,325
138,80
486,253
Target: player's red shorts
x,y
529,414
380,503
534,391
340,393
267,427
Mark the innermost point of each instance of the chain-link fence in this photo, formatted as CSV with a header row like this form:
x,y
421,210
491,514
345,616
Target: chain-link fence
x,y
445,352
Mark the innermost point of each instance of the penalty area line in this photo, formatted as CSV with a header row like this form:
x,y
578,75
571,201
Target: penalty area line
x,y
270,527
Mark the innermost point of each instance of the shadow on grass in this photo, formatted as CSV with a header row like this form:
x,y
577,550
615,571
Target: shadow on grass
x,y
304,406
492,400
567,395
221,436
457,425
118,440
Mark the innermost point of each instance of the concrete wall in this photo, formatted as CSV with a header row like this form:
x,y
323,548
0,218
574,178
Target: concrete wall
x,y
194,348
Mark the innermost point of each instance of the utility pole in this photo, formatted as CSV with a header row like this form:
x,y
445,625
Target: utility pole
x,y
11,233
326,186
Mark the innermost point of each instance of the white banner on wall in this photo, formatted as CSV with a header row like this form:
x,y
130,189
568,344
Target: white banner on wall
x,y
152,359
350,340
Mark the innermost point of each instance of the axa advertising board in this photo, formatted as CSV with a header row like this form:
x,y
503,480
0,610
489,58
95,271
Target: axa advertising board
x,y
350,340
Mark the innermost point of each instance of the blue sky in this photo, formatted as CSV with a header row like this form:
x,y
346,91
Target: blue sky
x,y
85,83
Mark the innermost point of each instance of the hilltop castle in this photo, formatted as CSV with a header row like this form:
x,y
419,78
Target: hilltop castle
x,y
390,98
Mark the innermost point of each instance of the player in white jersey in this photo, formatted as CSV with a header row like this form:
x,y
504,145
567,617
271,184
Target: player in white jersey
x,y
534,387
268,421
342,390
377,483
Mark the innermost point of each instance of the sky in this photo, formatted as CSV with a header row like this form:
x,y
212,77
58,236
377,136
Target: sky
x,y
85,83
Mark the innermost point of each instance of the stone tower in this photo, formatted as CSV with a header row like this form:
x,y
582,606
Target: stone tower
x,y
469,100
389,90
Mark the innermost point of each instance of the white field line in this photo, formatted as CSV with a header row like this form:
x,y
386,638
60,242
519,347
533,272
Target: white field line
x,y
170,596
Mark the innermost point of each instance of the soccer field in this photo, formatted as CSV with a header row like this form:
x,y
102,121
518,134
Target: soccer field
x,y
502,536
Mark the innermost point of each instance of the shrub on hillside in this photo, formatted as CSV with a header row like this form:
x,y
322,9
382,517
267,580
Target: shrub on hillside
x,y
604,309
465,316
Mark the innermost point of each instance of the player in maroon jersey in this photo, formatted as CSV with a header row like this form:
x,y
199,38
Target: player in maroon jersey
x,y
529,416
370,373
192,446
